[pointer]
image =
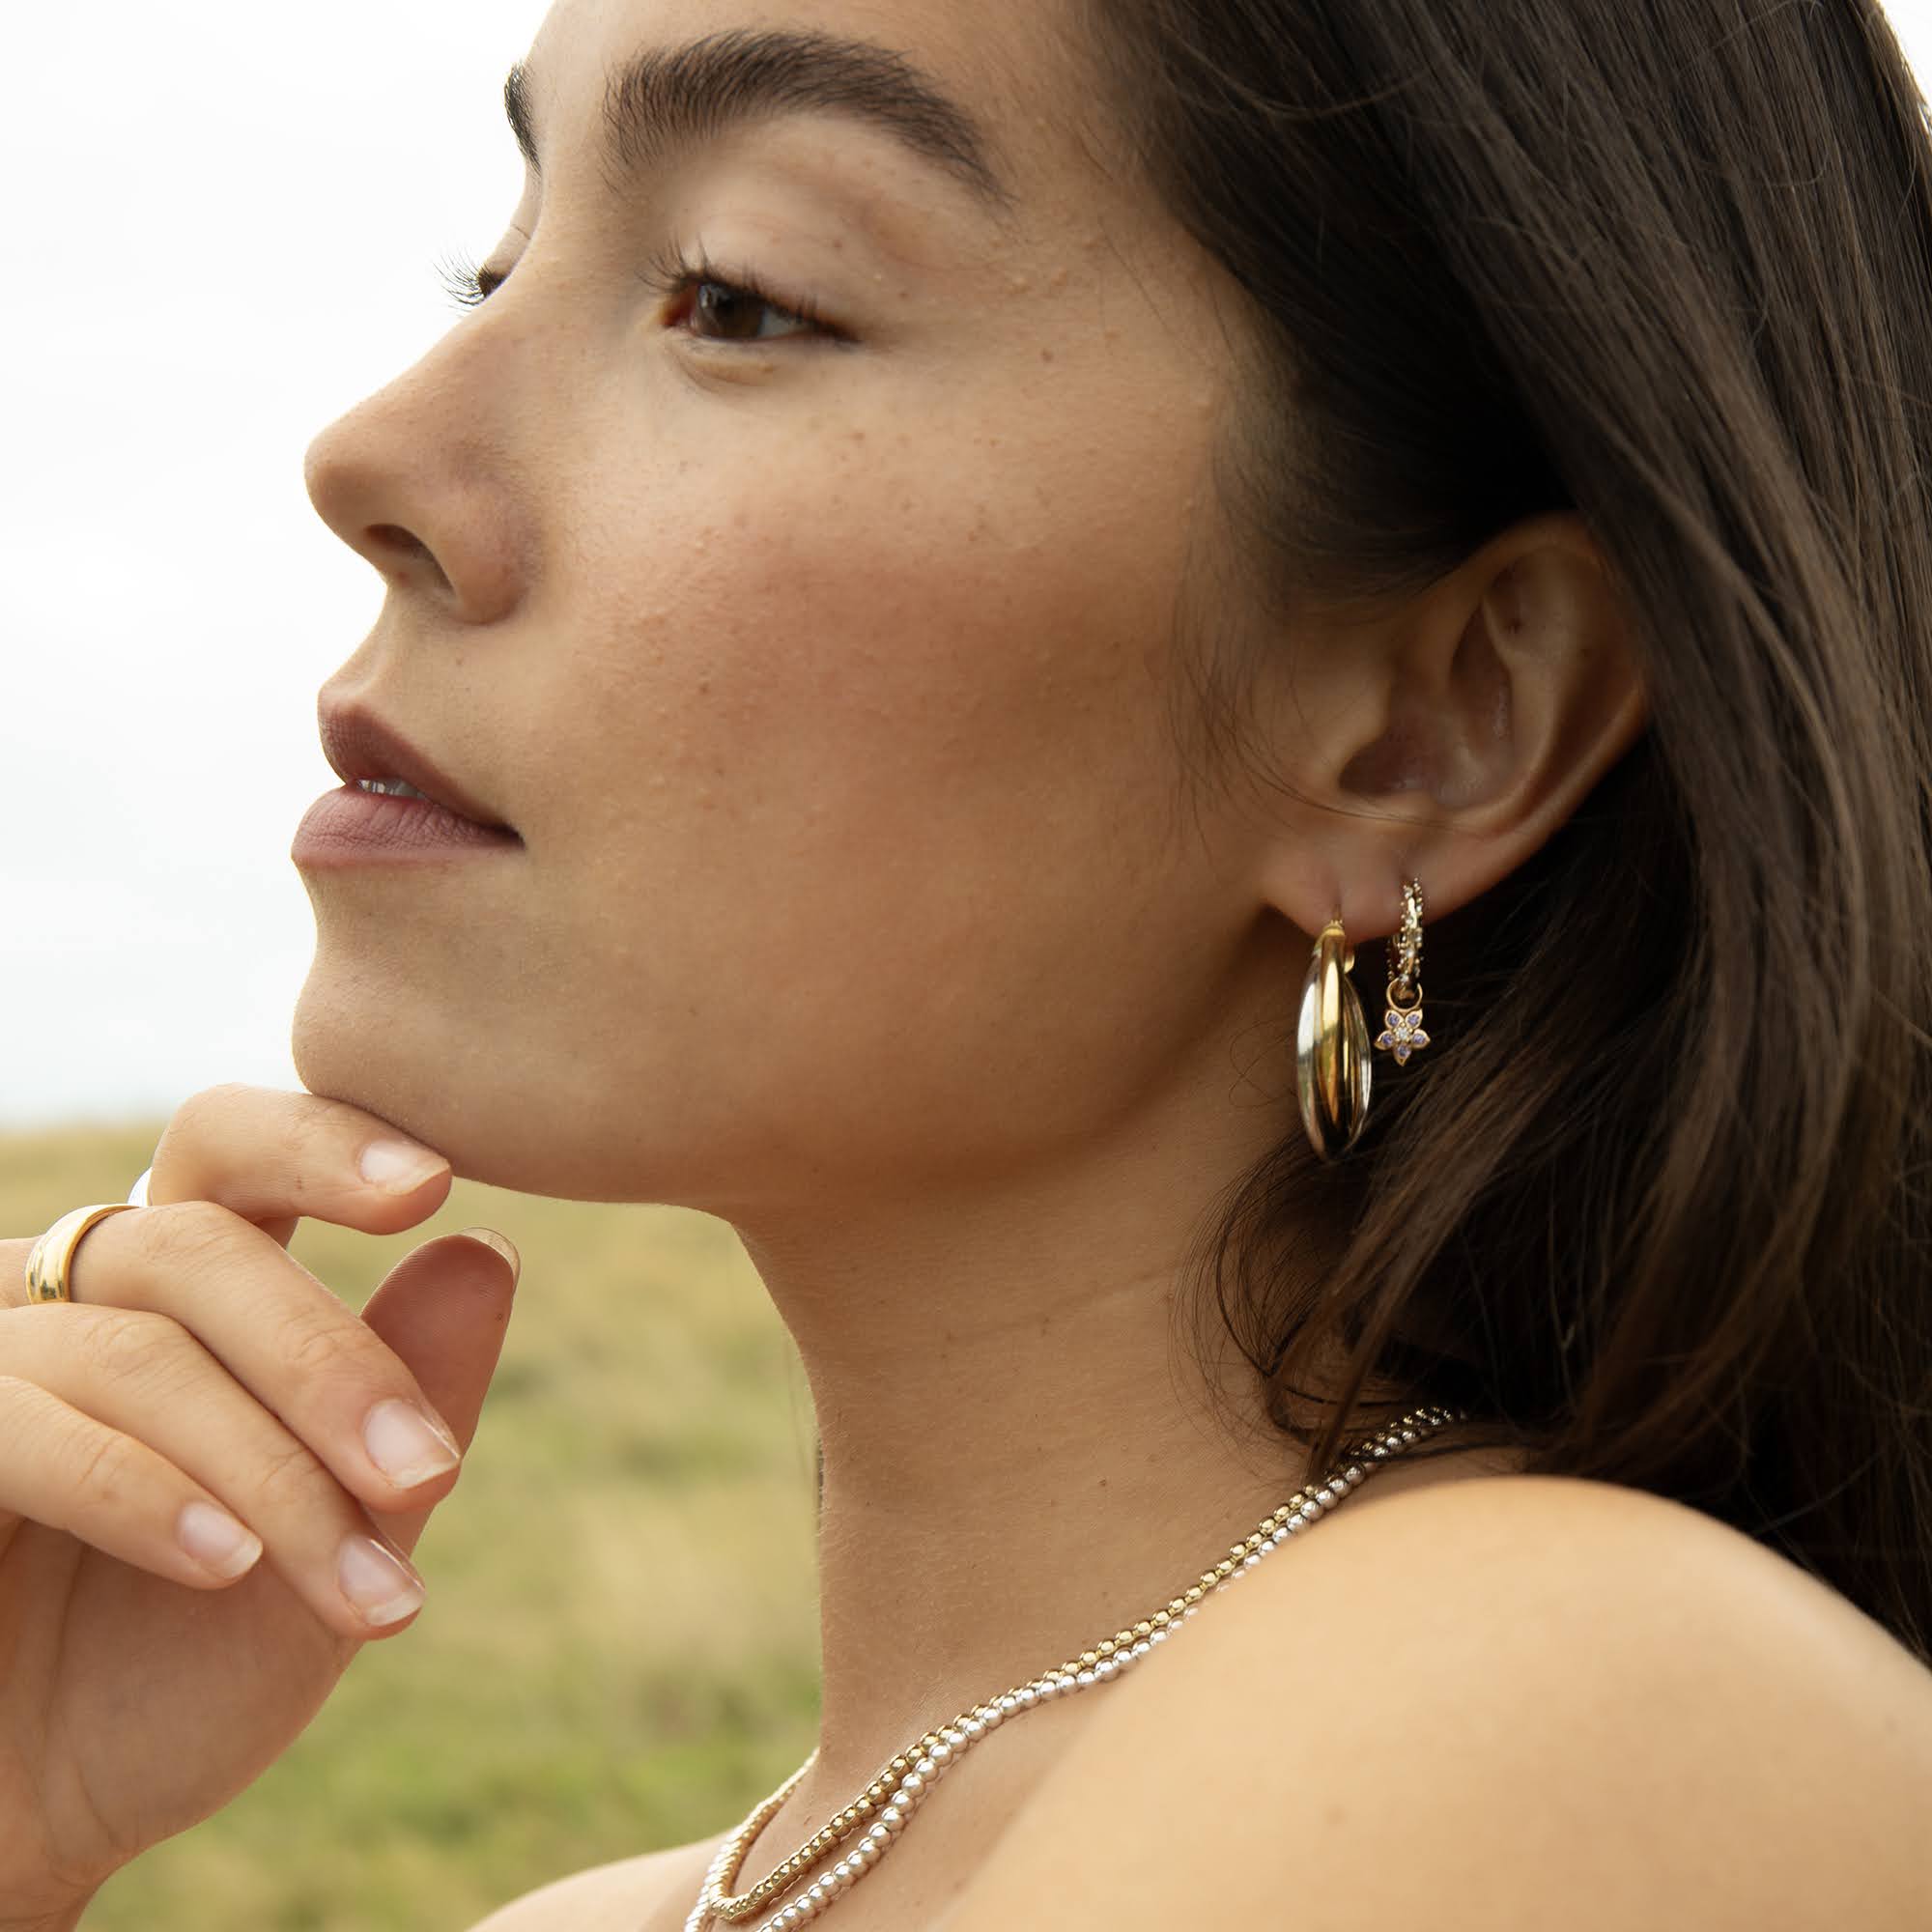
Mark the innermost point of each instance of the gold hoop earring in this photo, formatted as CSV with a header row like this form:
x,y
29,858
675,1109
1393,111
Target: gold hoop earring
x,y
1332,1066
1332,1048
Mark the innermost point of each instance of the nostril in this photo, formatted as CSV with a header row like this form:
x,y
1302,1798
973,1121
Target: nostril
x,y
393,536
389,545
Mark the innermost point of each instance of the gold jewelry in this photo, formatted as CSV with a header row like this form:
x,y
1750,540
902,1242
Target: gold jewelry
x,y
1403,1033
1333,1072
1331,1049
52,1255
891,1796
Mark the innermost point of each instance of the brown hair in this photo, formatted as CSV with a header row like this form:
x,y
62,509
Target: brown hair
x,y
1657,1207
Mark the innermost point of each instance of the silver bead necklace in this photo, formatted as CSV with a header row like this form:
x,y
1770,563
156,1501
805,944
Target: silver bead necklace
x,y
904,1784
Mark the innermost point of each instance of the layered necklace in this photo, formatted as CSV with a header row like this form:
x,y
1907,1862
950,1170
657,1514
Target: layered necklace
x,y
880,1813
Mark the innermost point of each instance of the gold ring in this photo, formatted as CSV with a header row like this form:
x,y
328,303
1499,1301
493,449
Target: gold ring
x,y
53,1252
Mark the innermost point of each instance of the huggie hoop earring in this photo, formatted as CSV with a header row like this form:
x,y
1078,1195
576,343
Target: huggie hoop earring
x,y
1333,1066
1332,1048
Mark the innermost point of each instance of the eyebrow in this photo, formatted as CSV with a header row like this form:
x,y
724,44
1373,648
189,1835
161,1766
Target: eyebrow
x,y
667,98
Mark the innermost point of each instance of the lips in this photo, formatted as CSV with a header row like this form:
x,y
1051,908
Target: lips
x,y
358,747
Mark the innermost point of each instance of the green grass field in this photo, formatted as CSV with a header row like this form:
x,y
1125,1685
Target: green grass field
x,y
619,1650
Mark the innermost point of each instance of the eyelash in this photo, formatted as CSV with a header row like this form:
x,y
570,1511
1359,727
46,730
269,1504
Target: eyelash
x,y
672,274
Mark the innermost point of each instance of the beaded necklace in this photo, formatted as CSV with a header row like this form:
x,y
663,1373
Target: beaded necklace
x,y
901,1786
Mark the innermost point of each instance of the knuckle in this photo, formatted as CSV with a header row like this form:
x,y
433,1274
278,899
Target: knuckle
x,y
22,1405
216,1102
33,1421
205,1111
122,1344
276,1138
204,1121
102,1475
98,1472
190,1233
288,1475
311,1349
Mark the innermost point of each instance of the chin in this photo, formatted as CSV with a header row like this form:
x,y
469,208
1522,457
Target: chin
x,y
354,1041
458,1083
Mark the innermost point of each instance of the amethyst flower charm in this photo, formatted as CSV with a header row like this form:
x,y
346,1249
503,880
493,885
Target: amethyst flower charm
x,y
1404,1035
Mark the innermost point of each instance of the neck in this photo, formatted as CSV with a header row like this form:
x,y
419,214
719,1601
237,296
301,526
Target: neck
x,y
1022,1453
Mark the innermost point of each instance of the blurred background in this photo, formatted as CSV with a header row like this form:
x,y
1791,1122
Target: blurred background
x,y
225,234
619,1648
225,231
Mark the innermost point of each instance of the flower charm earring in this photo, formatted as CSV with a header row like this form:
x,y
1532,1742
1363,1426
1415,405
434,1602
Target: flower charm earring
x,y
1333,1062
1404,1034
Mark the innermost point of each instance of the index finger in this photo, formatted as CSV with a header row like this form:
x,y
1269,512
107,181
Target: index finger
x,y
274,1157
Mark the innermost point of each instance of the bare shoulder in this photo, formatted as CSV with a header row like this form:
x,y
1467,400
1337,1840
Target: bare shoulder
x,y
614,1897
1565,1701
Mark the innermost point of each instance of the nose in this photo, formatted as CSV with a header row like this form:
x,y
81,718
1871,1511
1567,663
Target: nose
x,y
410,483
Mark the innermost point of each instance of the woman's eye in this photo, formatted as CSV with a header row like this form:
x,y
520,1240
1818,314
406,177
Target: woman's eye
x,y
724,312
713,308
468,286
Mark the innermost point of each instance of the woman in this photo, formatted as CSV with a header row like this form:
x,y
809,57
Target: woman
x,y
968,560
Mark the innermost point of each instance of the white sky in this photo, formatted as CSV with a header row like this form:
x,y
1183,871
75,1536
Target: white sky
x,y
221,234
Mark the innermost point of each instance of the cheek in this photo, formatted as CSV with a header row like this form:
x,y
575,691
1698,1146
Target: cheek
x,y
812,626
867,753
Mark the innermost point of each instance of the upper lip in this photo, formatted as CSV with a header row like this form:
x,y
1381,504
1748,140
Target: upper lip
x,y
359,747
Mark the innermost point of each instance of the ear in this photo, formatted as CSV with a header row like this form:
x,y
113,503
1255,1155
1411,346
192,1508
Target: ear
x,y
1449,739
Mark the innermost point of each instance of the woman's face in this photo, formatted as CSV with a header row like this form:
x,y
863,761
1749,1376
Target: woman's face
x,y
824,668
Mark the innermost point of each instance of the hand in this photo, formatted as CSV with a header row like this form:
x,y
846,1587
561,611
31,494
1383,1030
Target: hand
x,y
200,1372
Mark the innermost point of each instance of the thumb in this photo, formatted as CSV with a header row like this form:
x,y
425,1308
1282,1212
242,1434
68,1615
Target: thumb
x,y
444,1309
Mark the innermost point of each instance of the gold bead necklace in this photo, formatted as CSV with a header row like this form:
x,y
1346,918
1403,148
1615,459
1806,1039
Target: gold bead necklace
x,y
883,1809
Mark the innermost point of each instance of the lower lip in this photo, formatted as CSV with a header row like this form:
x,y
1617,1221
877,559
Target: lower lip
x,y
353,826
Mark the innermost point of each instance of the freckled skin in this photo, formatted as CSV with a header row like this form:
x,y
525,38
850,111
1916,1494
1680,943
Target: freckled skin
x,y
827,687
872,893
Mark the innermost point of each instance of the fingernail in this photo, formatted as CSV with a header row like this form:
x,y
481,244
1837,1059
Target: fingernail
x,y
217,1540
399,1167
490,1238
405,1444
381,1588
